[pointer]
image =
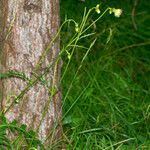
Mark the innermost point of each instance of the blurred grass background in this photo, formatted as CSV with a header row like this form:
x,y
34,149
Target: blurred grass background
x,y
109,103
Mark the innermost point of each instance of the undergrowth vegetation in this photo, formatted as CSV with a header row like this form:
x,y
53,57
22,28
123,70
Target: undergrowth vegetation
x,y
105,79
109,101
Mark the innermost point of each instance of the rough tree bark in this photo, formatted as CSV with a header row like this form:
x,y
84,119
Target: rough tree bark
x,y
28,26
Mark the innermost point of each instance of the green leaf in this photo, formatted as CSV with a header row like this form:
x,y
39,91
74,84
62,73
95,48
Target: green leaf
x,y
23,127
13,125
31,134
3,119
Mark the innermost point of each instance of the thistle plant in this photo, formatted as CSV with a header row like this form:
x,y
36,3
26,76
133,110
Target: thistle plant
x,y
80,32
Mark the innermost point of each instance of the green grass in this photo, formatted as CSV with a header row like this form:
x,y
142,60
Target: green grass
x,y
109,102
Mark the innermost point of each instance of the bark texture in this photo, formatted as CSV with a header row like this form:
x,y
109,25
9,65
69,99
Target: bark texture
x,y
29,26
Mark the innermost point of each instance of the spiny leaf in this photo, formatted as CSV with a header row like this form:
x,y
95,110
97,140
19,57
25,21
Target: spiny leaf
x,y
14,73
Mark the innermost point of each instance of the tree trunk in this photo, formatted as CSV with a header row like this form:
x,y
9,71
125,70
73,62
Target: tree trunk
x,y
28,27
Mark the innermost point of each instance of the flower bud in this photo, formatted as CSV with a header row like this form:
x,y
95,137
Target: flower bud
x,y
97,9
